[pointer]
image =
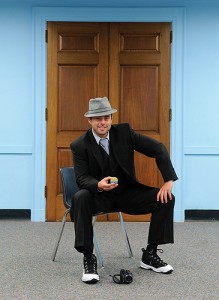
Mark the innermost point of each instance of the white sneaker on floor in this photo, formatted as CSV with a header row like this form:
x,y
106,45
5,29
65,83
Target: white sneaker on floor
x,y
151,261
90,274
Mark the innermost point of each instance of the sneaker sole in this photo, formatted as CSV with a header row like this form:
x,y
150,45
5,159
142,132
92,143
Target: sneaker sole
x,y
165,270
93,281
90,278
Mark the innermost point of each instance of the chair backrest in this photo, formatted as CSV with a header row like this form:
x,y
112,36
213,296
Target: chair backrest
x,y
69,185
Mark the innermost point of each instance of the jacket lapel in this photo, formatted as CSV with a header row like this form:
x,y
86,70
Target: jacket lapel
x,y
119,153
95,149
114,145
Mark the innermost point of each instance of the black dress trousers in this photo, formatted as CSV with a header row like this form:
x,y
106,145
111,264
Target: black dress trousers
x,y
134,200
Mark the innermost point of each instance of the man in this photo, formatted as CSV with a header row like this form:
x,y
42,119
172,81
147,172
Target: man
x,y
95,166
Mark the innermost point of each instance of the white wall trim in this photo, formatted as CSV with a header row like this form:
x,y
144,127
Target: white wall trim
x,y
43,14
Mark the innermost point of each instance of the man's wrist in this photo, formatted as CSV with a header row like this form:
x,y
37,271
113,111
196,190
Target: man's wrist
x,y
99,188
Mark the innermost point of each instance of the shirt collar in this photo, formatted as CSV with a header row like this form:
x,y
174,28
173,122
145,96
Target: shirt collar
x,y
97,138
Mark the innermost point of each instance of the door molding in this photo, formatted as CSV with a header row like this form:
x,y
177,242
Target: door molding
x,y
40,17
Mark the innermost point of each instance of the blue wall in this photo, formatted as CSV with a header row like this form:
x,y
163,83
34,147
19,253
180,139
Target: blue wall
x,y
16,108
200,108
195,77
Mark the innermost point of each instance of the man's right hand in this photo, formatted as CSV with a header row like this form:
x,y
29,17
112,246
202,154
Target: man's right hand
x,y
104,185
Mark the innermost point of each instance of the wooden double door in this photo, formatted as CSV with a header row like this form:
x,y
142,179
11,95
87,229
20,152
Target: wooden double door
x,y
127,62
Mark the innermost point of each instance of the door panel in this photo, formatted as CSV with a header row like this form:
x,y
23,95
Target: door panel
x,y
71,104
139,84
77,71
129,63
136,97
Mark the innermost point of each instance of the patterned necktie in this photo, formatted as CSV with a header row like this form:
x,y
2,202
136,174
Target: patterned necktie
x,y
105,144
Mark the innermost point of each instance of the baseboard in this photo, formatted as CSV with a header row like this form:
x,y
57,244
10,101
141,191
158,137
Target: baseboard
x,y
15,214
201,215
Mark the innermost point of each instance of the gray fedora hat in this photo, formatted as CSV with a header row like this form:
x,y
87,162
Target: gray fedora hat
x,y
99,107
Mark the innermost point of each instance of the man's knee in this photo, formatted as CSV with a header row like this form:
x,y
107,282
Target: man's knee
x,y
172,200
81,201
81,198
170,203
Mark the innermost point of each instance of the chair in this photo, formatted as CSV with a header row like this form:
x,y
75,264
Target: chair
x,y
69,188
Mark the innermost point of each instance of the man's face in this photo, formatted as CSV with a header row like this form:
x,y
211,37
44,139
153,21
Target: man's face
x,y
101,125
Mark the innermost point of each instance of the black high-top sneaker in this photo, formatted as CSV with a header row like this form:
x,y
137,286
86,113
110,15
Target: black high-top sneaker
x,y
90,274
150,260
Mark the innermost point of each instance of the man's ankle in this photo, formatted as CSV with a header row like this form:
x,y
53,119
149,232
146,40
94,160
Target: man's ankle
x,y
88,254
151,248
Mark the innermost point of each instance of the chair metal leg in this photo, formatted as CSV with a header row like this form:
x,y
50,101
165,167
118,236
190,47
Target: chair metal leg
x,y
98,251
96,246
125,235
60,234
94,218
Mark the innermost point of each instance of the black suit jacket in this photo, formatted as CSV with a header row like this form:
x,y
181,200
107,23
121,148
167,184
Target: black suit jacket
x,y
124,141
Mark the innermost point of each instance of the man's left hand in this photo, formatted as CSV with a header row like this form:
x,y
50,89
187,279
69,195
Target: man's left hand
x,y
164,193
